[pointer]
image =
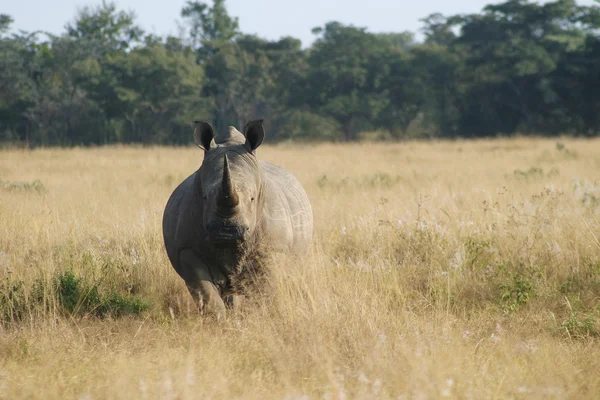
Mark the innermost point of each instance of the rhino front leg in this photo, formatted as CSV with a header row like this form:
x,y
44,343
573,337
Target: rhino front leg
x,y
207,298
200,284
234,301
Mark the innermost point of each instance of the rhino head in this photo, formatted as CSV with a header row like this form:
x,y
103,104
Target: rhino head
x,y
230,186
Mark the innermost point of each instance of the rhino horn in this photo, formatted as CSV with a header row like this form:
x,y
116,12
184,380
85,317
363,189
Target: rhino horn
x,y
228,198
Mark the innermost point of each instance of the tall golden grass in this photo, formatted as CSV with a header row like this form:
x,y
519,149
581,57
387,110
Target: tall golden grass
x,y
466,269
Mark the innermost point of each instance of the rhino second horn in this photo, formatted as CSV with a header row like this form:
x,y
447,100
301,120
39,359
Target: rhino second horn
x,y
228,198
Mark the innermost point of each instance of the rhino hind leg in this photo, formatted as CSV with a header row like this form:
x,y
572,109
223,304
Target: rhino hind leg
x,y
199,282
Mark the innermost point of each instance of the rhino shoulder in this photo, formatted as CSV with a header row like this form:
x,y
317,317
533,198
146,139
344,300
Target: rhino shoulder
x,y
176,206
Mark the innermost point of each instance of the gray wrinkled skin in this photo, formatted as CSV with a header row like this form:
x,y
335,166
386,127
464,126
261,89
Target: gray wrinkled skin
x,y
231,211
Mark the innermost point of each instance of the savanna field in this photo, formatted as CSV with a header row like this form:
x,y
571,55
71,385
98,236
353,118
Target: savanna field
x,y
467,269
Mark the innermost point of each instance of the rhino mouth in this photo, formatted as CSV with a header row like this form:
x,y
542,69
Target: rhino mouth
x,y
227,235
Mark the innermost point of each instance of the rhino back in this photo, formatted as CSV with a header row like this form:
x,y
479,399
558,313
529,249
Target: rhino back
x,y
287,218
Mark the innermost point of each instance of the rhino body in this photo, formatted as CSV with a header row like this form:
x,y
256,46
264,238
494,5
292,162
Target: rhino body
x,y
233,208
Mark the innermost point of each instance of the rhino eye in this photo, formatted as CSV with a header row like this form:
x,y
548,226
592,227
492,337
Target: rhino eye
x,y
205,198
252,199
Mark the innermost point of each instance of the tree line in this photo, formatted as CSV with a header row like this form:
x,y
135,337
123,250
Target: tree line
x,y
515,67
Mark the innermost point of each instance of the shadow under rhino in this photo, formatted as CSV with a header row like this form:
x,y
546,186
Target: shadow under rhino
x,y
222,220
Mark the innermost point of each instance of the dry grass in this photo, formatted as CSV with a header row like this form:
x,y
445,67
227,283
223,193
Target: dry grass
x,y
462,270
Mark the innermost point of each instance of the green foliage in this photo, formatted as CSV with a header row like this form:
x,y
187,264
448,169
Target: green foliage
x,y
78,298
5,21
479,253
534,173
304,125
566,153
70,294
531,173
346,76
580,326
378,180
587,192
209,27
116,30
513,53
157,95
13,302
515,67
36,186
516,293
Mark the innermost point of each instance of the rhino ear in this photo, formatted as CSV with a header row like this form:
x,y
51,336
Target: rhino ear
x,y
255,133
204,135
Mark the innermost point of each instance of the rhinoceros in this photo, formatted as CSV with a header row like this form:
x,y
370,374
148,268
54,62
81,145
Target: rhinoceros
x,y
234,208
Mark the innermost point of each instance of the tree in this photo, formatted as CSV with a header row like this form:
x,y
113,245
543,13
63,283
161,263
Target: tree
x,y
209,27
516,66
405,85
512,51
438,68
157,94
577,76
103,24
438,29
345,80
20,74
72,113
5,22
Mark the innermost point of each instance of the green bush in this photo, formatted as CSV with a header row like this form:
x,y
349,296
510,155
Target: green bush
x,y
79,298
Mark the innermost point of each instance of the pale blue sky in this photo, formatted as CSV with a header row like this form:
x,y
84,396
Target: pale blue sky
x,y
270,19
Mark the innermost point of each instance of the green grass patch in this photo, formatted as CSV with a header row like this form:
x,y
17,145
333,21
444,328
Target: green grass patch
x,y
377,180
69,295
35,186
